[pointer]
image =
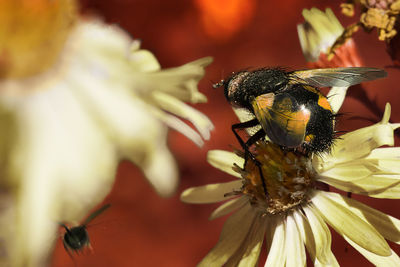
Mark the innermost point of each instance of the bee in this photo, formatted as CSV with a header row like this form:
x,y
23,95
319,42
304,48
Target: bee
x,y
291,110
76,238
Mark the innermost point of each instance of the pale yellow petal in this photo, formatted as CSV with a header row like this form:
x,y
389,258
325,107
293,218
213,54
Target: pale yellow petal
x,y
387,226
318,33
351,172
390,261
142,60
322,235
228,207
179,108
234,232
358,144
180,82
177,124
345,222
378,186
210,193
225,161
52,162
249,251
336,97
277,251
295,252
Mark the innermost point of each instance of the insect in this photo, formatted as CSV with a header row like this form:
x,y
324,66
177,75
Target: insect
x,y
291,110
77,238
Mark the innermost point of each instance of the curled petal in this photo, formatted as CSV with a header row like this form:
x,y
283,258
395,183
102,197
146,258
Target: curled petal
x,y
358,144
336,97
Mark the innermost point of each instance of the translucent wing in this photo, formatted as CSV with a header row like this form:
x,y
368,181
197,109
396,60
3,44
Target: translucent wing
x,y
282,125
341,77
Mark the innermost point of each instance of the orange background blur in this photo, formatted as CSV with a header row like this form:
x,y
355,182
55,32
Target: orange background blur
x,y
142,229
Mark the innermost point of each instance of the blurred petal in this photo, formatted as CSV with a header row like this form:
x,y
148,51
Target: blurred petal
x,y
54,168
210,193
345,222
318,33
179,108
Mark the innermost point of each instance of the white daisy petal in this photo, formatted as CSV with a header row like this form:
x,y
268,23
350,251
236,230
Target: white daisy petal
x,y
210,193
295,254
321,233
232,236
49,161
228,207
277,252
378,186
345,222
178,125
388,226
179,108
390,261
224,161
358,144
249,251
180,82
336,97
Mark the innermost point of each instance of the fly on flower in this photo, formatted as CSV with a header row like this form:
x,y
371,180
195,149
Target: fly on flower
x,y
291,110
77,238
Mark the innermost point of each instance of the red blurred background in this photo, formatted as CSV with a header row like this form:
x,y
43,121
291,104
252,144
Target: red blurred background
x,y
142,229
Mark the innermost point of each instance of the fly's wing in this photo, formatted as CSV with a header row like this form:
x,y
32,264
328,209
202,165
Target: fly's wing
x,y
96,213
282,126
340,77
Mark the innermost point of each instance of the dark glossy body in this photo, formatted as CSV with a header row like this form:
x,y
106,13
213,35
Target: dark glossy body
x,y
242,88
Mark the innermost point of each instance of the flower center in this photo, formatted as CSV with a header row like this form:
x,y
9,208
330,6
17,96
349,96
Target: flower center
x,y
32,34
288,177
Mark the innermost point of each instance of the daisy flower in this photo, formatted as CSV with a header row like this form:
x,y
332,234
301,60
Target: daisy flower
x,y
295,214
76,97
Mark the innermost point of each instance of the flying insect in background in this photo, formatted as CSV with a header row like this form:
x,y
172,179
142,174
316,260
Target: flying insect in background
x,y
291,110
76,238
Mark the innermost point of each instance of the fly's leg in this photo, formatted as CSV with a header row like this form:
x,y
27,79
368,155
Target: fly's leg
x,y
245,145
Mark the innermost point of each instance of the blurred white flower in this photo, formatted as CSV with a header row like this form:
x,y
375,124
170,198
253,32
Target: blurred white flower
x,y
324,42
66,126
297,211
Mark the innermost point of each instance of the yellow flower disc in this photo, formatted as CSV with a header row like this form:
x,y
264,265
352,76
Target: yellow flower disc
x,y
32,34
